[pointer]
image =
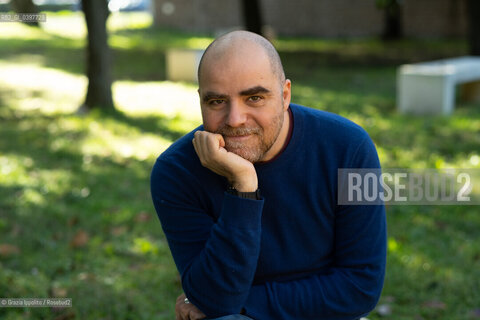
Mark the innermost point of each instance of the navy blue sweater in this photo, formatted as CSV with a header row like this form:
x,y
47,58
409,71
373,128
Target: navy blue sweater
x,y
295,254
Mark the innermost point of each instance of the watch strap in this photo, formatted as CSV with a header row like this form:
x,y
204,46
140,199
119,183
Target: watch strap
x,y
255,195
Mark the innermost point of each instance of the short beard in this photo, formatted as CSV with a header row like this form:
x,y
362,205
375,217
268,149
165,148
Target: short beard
x,y
264,144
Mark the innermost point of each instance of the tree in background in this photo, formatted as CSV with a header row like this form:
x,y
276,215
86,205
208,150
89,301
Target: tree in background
x,y
473,13
392,28
99,92
25,6
252,15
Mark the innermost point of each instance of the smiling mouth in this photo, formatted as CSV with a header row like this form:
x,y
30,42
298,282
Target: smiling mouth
x,y
238,138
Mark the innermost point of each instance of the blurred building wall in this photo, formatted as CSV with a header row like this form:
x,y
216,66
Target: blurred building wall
x,y
434,18
323,18
198,15
326,18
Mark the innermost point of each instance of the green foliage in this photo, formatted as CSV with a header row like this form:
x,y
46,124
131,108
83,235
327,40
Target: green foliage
x,y
76,218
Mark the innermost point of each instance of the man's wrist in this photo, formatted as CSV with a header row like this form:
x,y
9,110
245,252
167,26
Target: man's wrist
x,y
244,188
255,195
245,184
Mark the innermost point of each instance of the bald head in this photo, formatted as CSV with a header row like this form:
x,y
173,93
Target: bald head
x,y
232,42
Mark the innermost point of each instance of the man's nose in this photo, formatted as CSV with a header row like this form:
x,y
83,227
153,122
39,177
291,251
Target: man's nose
x,y
237,114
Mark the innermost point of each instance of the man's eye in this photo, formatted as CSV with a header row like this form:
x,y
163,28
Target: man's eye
x,y
216,102
255,98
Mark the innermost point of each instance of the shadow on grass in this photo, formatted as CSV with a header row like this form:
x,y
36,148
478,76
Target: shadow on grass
x,y
155,124
373,52
65,55
73,220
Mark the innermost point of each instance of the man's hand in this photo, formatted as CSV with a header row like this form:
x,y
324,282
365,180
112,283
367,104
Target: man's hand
x,y
187,311
210,148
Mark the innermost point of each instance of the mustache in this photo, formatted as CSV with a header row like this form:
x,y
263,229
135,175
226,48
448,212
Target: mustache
x,y
242,131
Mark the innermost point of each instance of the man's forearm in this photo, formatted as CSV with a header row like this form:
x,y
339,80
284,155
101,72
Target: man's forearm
x,y
341,295
217,264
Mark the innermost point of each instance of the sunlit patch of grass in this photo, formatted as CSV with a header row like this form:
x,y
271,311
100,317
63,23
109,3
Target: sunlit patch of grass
x,y
144,246
123,31
131,20
198,42
13,169
166,98
33,87
72,24
20,31
120,141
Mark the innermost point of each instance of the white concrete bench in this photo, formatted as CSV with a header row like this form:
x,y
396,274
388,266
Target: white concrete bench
x,y
182,64
429,87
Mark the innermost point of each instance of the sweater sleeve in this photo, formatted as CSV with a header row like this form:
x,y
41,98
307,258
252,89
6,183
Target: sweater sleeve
x,y
352,286
216,260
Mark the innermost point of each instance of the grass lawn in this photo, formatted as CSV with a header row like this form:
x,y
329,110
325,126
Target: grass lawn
x,y
76,219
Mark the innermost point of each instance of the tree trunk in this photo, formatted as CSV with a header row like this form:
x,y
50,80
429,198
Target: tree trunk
x,y
393,22
99,92
25,6
473,13
252,15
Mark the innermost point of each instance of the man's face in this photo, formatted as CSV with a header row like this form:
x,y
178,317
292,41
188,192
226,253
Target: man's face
x,y
244,101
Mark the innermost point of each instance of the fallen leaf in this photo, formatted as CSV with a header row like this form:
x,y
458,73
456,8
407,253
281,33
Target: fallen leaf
x,y
434,304
73,221
80,239
143,217
8,250
83,276
57,292
57,235
118,231
441,225
15,230
135,266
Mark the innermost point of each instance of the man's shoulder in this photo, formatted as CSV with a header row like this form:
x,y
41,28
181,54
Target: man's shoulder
x,y
327,123
180,150
179,156
339,140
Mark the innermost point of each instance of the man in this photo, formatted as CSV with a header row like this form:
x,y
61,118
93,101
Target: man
x,y
248,201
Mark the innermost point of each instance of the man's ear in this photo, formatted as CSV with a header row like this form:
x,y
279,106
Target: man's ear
x,y
287,93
